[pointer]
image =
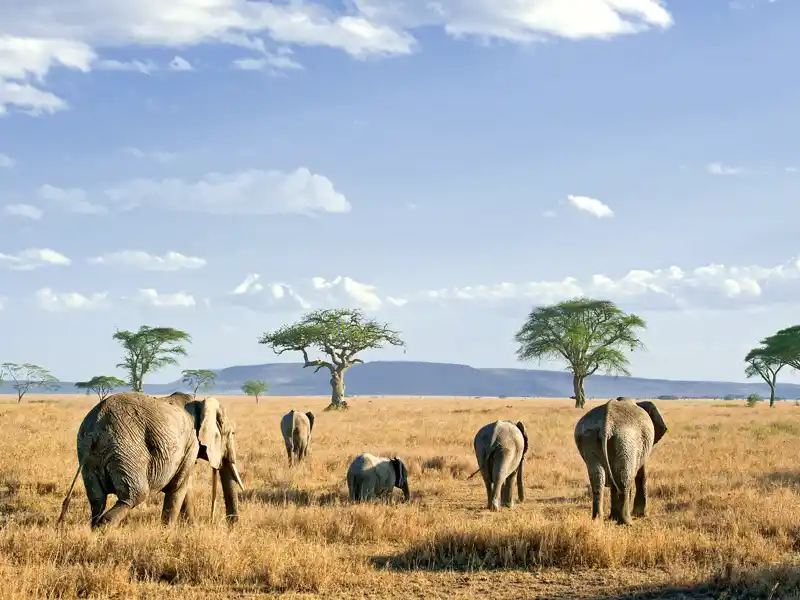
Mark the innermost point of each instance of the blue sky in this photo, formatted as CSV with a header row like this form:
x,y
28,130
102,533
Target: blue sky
x,y
225,165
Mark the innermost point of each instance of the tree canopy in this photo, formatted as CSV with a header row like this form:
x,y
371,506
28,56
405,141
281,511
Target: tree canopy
x,y
199,379
775,352
588,334
255,387
102,385
28,376
339,334
149,349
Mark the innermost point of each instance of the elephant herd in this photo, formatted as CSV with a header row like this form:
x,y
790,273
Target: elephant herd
x,y
131,445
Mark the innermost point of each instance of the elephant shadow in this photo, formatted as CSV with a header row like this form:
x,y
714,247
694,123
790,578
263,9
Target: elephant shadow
x,y
286,496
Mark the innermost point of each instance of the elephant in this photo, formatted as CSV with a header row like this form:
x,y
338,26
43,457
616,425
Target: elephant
x,y
500,448
131,444
371,476
296,429
615,441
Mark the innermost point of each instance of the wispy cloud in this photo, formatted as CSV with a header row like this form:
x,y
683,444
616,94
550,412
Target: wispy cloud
x,y
593,206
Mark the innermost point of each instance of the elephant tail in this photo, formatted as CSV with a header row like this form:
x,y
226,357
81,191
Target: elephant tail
x,y
495,445
604,435
68,497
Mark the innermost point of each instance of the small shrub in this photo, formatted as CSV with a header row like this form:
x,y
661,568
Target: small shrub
x,y
753,399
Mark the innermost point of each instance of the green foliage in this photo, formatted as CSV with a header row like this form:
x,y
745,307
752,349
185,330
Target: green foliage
x,y
102,385
149,349
589,335
753,399
28,376
255,387
784,346
340,333
199,379
667,397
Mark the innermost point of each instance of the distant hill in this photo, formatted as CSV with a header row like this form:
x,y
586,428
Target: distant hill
x,y
407,378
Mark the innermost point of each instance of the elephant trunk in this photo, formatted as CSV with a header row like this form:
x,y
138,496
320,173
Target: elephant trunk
x,y
229,478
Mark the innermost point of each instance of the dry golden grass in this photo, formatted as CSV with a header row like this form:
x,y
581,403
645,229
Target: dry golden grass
x,y
723,509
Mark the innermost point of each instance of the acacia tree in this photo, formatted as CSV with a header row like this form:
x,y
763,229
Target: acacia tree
x,y
775,352
255,387
102,385
198,379
340,334
149,349
588,334
28,376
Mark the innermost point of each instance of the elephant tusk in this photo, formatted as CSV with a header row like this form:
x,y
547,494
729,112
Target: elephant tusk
x,y
236,475
213,492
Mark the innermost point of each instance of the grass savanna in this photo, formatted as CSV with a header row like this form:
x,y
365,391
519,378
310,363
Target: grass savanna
x,y
723,507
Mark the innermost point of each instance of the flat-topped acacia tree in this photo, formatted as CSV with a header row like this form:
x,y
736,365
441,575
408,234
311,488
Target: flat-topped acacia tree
x,y
588,334
340,334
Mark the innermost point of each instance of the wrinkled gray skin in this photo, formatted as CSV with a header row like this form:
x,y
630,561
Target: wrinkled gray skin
x,y
500,448
371,476
615,441
132,445
296,429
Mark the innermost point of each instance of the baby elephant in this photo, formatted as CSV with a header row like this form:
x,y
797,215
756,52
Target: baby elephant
x,y
371,476
500,448
615,441
296,429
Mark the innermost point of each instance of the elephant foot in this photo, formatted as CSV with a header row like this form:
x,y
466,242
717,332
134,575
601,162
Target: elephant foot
x,y
638,512
494,508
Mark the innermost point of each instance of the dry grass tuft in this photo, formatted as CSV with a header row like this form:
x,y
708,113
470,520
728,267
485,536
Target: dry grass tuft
x,y
723,510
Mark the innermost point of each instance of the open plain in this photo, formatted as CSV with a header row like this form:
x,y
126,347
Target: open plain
x,y
723,510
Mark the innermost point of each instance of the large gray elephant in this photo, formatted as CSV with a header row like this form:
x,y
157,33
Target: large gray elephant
x,y
371,476
296,429
500,448
615,441
131,445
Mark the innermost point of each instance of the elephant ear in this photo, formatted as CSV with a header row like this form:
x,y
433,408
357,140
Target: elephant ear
x,y
398,465
521,428
310,416
209,433
659,426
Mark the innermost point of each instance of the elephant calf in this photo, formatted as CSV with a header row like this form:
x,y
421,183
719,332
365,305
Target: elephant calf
x,y
615,441
371,476
131,445
296,429
500,448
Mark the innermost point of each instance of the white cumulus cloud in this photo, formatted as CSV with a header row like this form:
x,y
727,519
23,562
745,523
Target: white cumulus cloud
x,y
707,286
717,168
151,297
593,206
180,64
51,301
270,297
363,295
139,259
71,200
38,36
251,192
34,258
27,211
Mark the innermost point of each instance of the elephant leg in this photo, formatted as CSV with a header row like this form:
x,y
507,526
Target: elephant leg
x,y
507,497
112,517
173,504
97,497
187,508
498,482
640,499
487,482
289,451
624,505
597,480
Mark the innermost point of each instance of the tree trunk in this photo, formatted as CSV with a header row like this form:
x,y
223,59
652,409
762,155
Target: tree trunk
x,y
772,393
577,386
337,389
